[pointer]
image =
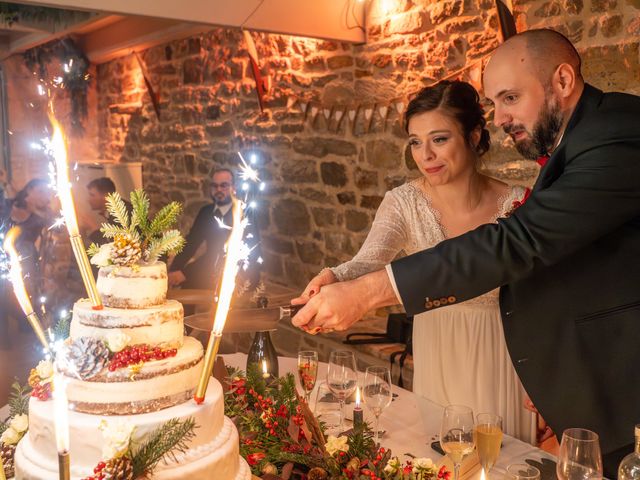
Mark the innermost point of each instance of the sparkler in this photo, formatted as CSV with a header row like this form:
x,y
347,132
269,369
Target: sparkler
x,y
15,275
61,419
63,186
237,252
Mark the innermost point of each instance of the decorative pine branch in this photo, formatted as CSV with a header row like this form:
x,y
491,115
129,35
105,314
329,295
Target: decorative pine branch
x,y
169,439
140,211
118,210
93,249
170,242
110,230
62,328
19,399
165,219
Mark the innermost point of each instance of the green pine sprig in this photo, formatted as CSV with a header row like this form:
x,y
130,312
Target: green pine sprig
x,y
169,439
110,230
19,399
165,219
170,242
93,249
62,328
118,210
140,211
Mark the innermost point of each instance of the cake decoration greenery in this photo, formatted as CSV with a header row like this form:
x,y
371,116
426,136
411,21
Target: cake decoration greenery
x,y
281,438
13,428
136,237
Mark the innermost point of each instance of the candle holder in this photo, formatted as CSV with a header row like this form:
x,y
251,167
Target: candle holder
x,y
262,352
64,466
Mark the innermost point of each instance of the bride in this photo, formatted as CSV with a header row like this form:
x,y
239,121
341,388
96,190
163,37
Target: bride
x,y
459,352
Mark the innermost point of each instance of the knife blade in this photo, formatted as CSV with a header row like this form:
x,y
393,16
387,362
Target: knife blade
x,y
244,319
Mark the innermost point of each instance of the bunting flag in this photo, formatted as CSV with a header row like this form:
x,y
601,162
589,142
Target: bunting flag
x,y
291,101
155,98
368,117
383,111
338,114
505,17
262,84
352,113
304,108
326,112
314,113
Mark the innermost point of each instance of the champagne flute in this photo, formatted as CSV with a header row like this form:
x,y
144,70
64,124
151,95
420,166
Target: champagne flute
x,y
456,434
522,471
488,437
377,393
579,457
307,371
342,377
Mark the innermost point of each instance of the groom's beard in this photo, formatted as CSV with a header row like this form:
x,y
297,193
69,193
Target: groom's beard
x,y
545,132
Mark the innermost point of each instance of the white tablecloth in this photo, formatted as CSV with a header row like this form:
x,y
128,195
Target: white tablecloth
x,y
412,422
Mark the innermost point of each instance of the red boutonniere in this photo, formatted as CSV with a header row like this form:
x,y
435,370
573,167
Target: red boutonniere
x,y
519,203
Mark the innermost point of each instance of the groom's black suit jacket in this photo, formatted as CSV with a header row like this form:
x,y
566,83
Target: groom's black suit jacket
x,y
568,262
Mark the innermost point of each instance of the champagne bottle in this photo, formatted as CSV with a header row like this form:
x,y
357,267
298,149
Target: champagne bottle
x,y
630,466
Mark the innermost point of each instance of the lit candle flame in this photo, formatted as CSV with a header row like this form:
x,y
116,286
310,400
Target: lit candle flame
x,y
482,475
358,397
265,371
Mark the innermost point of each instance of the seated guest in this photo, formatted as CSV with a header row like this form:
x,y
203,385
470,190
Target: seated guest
x,y
189,270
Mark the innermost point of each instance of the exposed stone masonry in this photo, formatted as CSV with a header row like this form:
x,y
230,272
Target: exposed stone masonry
x,y
325,180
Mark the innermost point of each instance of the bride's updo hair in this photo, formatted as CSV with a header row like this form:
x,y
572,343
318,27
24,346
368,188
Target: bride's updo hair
x,y
461,101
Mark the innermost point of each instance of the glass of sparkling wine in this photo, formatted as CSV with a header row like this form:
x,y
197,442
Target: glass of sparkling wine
x,y
377,393
579,457
488,437
307,371
456,435
342,377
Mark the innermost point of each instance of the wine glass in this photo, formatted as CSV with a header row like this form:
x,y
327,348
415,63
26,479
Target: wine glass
x,y
307,371
377,392
522,471
488,437
579,457
456,434
342,377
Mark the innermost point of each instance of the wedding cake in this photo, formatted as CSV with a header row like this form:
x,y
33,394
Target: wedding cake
x,y
129,370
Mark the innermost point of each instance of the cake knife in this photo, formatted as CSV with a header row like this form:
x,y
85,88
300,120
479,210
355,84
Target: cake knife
x,y
244,319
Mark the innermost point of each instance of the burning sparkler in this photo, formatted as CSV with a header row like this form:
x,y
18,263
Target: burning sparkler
x,y
237,253
58,149
61,420
17,280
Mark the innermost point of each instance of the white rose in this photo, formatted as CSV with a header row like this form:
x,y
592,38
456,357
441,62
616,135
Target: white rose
x,y
10,436
117,340
117,437
336,444
421,465
392,466
20,423
45,370
103,257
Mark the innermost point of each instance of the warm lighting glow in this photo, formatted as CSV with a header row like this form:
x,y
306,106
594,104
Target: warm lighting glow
x,y
15,271
61,411
63,185
386,6
235,254
482,475
265,370
358,397
246,171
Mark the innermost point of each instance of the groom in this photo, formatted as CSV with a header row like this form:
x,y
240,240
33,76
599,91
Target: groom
x,y
568,260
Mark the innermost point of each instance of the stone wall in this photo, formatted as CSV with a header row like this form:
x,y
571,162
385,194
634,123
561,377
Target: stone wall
x,y
326,178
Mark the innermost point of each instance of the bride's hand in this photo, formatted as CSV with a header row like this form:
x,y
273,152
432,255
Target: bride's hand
x,y
325,277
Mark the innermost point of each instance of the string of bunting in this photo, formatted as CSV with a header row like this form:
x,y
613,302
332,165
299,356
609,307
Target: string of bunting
x,y
335,114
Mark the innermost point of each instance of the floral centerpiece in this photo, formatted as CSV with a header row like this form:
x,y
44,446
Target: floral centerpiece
x,y
136,237
281,438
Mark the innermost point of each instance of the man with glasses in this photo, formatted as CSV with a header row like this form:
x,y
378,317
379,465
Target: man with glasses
x,y
190,270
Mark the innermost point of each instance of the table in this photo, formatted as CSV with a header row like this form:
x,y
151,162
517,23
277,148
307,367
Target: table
x,y
413,422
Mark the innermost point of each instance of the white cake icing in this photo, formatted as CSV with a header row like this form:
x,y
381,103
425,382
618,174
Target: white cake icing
x,y
125,287
161,325
158,391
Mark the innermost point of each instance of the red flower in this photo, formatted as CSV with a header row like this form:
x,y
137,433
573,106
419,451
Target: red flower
x,y
443,473
255,458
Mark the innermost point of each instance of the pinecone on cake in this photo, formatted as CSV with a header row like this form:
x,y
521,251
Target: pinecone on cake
x,y
7,453
126,250
118,469
87,356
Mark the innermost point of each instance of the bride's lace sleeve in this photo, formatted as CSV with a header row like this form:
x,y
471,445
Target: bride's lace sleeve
x,y
387,238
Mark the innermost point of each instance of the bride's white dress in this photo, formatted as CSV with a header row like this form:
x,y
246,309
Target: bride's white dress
x,y
459,351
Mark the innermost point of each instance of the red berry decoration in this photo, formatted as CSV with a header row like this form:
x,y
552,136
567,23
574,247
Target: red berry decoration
x,y
135,354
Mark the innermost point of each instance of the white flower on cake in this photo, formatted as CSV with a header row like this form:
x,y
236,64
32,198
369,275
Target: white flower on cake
x,y
116,341
423,466
20,423
10,436
336,444
392,466
117,436
45,371
103,256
